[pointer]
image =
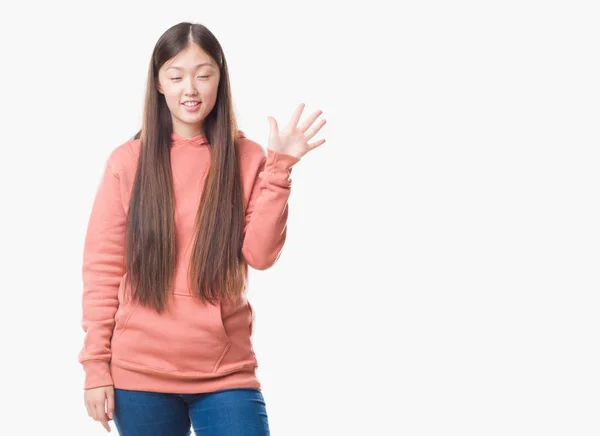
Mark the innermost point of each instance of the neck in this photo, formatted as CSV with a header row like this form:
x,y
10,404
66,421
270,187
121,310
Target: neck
x,y
187,132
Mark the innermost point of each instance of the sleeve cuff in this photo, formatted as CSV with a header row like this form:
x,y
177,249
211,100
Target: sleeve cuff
x,y
278,168
97,373
279,161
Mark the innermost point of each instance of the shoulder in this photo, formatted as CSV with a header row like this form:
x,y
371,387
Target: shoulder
x,y
123,157
251,152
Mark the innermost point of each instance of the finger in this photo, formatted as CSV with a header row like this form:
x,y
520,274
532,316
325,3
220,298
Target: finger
x,y
274,126
296,117
308,122
99,412
312,132
313,145
94,412
110,404
100,415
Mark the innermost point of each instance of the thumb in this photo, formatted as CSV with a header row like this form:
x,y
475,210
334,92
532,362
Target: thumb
x,y
273,124
110,404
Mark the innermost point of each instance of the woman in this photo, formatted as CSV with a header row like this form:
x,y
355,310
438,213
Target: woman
x,y
181,211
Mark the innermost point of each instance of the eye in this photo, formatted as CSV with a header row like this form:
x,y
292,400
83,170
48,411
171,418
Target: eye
x,y
203,76
175,78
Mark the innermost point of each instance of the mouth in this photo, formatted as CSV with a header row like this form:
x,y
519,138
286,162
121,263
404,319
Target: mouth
x,y
191,105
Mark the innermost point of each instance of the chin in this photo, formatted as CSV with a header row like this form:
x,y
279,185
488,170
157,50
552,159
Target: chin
x,y
192,118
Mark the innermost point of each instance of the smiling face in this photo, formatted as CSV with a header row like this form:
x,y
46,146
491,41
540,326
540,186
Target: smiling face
x,y
191,76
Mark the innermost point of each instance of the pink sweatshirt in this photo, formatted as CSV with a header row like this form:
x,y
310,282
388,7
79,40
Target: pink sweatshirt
x,y
195,347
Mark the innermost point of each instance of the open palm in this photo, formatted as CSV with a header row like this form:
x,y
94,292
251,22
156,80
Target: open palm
x,y
293,139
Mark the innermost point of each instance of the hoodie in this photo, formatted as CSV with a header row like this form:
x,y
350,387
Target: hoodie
x,y
194,347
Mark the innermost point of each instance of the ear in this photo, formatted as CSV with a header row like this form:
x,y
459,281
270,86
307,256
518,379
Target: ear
x,y
157,82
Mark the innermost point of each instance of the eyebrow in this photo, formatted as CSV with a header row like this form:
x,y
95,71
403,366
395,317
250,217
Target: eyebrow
x,y
197,66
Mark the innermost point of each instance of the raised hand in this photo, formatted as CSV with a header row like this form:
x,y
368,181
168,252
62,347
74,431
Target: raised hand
x,y
293,139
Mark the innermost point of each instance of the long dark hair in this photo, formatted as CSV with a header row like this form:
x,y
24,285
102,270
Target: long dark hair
x,y
217,268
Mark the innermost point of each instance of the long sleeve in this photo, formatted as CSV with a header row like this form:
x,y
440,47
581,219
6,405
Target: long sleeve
x,y
102,270
267,212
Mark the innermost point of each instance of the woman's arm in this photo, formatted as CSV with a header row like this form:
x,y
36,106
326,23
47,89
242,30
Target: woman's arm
x,y
102,271
267,212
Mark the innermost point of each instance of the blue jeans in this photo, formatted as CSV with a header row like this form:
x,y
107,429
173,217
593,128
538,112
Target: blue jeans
x,y
229,412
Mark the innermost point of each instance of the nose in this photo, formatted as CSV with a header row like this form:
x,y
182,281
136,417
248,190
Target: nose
x,y
190,89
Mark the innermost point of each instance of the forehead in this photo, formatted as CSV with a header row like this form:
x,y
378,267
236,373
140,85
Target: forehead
x,y
190,58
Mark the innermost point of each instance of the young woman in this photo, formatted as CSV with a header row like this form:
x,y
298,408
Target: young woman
x,y
182,209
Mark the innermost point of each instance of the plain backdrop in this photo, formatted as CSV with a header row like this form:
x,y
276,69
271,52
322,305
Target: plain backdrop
x,y
440,275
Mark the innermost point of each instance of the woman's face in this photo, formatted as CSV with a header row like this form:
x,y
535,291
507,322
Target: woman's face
x,y
192,76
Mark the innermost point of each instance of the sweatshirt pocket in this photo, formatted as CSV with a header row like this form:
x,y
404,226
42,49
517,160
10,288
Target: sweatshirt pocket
x,y
190,337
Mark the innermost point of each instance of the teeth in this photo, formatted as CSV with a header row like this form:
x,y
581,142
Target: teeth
x,y
191,103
